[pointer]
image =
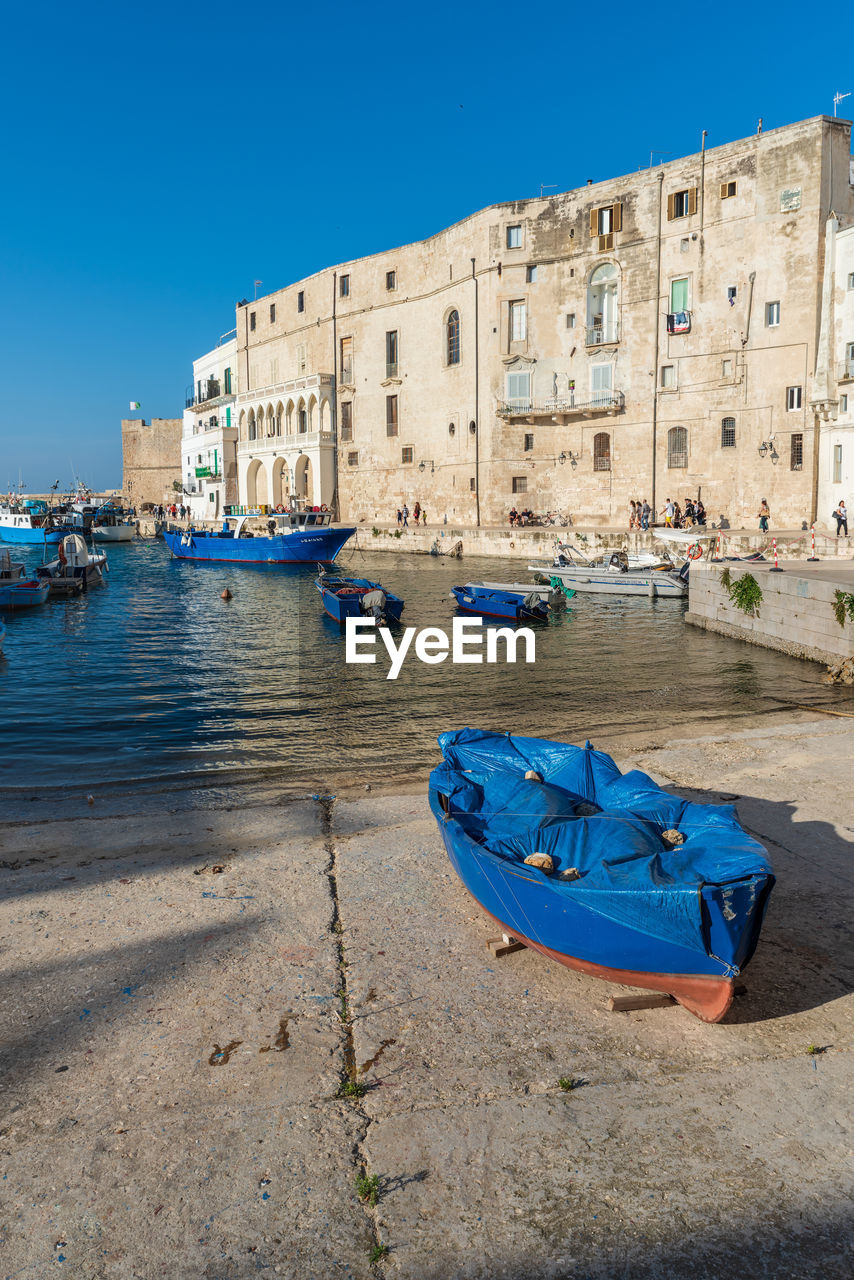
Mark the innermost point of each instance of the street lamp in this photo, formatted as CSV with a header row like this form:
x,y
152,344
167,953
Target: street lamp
x,y
422,466
570,457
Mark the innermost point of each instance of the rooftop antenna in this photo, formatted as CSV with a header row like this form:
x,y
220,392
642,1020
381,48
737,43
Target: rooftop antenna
x,y
257,282
547,186
658,152
837,98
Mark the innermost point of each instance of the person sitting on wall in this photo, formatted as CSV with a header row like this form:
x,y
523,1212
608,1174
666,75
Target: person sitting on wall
x,y
700,513
514,516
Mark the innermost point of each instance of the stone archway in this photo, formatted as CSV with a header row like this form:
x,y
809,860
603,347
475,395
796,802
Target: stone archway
x,y
281,483
252,482
304,480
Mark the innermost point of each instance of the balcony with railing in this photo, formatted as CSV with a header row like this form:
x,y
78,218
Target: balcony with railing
x,y
601,402
599,335
301,440
845,372
209,391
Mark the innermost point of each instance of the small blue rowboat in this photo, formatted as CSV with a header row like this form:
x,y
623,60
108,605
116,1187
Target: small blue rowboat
x,y
358,598
23,593
512,605
627,882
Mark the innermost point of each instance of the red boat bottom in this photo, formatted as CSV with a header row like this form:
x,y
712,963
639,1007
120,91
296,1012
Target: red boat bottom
x,y
707,998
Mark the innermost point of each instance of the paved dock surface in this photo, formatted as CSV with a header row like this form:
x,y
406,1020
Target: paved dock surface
x,y
175,1039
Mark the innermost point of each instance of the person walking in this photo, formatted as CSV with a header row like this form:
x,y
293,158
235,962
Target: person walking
x,y
764,516
668,511
423,517
416,512
840,515
405,516
646,512
399,516
633,513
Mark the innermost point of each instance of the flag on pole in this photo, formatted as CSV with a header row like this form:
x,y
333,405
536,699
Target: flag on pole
x,y
134,404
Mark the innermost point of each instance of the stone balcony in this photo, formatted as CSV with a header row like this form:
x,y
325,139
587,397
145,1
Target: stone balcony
x,y
562,410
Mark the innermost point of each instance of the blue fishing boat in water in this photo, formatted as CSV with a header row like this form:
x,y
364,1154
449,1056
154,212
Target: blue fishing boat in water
x,y
488,602
295,537
603,871
357,598
30,522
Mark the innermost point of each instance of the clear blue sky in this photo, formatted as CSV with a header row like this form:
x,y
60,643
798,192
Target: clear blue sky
x,y
159,158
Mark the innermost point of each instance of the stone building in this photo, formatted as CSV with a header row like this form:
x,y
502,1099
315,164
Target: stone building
x,y
209,441
151,460
650,336
833,387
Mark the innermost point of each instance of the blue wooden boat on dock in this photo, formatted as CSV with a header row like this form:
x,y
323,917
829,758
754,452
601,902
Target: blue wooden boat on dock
x,y
357,598
603,871
488,602
296,537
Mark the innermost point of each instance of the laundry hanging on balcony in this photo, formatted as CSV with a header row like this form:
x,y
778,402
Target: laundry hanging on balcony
x,y
679,322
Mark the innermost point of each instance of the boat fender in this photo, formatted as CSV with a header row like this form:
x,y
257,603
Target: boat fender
x,y
61,554
532,776
280,509
323,508
540,860
226,595
673,837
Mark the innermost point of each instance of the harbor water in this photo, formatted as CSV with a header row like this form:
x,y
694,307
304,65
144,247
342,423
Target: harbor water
x,y
153,681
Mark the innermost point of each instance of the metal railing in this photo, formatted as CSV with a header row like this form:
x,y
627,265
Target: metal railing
x,y
391,368
845,372
600,402
600,334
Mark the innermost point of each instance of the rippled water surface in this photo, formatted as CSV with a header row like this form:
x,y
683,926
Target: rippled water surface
x,y
153,678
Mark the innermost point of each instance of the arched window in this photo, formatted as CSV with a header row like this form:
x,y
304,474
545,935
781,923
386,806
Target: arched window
x,y
252,424
602,299
602,451
677,447
452,337
728,433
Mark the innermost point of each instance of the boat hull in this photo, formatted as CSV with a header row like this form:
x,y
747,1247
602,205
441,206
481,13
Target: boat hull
x,y
23,595
341,606
32,537
622,584
317,545
491,605
113,533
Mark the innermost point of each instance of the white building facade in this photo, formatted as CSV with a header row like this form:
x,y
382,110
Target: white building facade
x,y
833,391
209,439
286,455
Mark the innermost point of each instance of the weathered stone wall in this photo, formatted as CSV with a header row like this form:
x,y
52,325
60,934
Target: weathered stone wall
x,y
151,459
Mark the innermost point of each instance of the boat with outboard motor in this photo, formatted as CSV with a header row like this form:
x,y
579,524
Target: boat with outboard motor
x,y
602,871
75,569
614,575
487,602
293,537
357,598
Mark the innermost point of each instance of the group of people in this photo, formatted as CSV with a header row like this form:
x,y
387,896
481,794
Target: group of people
x,y
521,517
171,511
676,517
419,515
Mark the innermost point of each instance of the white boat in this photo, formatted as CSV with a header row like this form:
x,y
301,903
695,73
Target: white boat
x,y
614,576
75,570
103,524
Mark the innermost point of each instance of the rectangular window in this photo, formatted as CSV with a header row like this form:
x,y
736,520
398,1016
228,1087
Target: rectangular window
x,y
343,286
731,294
228,415
471,484
793,397
300,359
681,204
684,244
407,454
347,361
352,459
796,462
519,388
843,404
772,314
728,190
252,320
514,237
531,274
272,313
301,300
604,221
679,295
601,382
391,280
668,375
570,320
391,415
529,441
520,484
518,321
837,464
227,381
726,368
391,353
851,280
346,420
728,433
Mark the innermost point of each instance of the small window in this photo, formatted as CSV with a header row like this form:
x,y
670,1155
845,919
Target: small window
x,y
604,221
520,484
531,275
684,244
452,338
346,420
514,237
301,300
796,462
227,380
681,204
772,314
728,433
391,415
679,295
602,451
272,313
837,464
471,483
391,353
451,429
407,454
343,286
570,320
843,404
252,320
353,459
391,280
851,280
668,375
301,358
529,441
731,294
677,447
726,368
518,389
518,321
793,397
728,190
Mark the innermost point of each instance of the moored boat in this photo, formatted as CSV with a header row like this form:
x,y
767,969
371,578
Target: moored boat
x,y
644,888
295,537
487,602
75,569
357,598
613,575
23,593
31,522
